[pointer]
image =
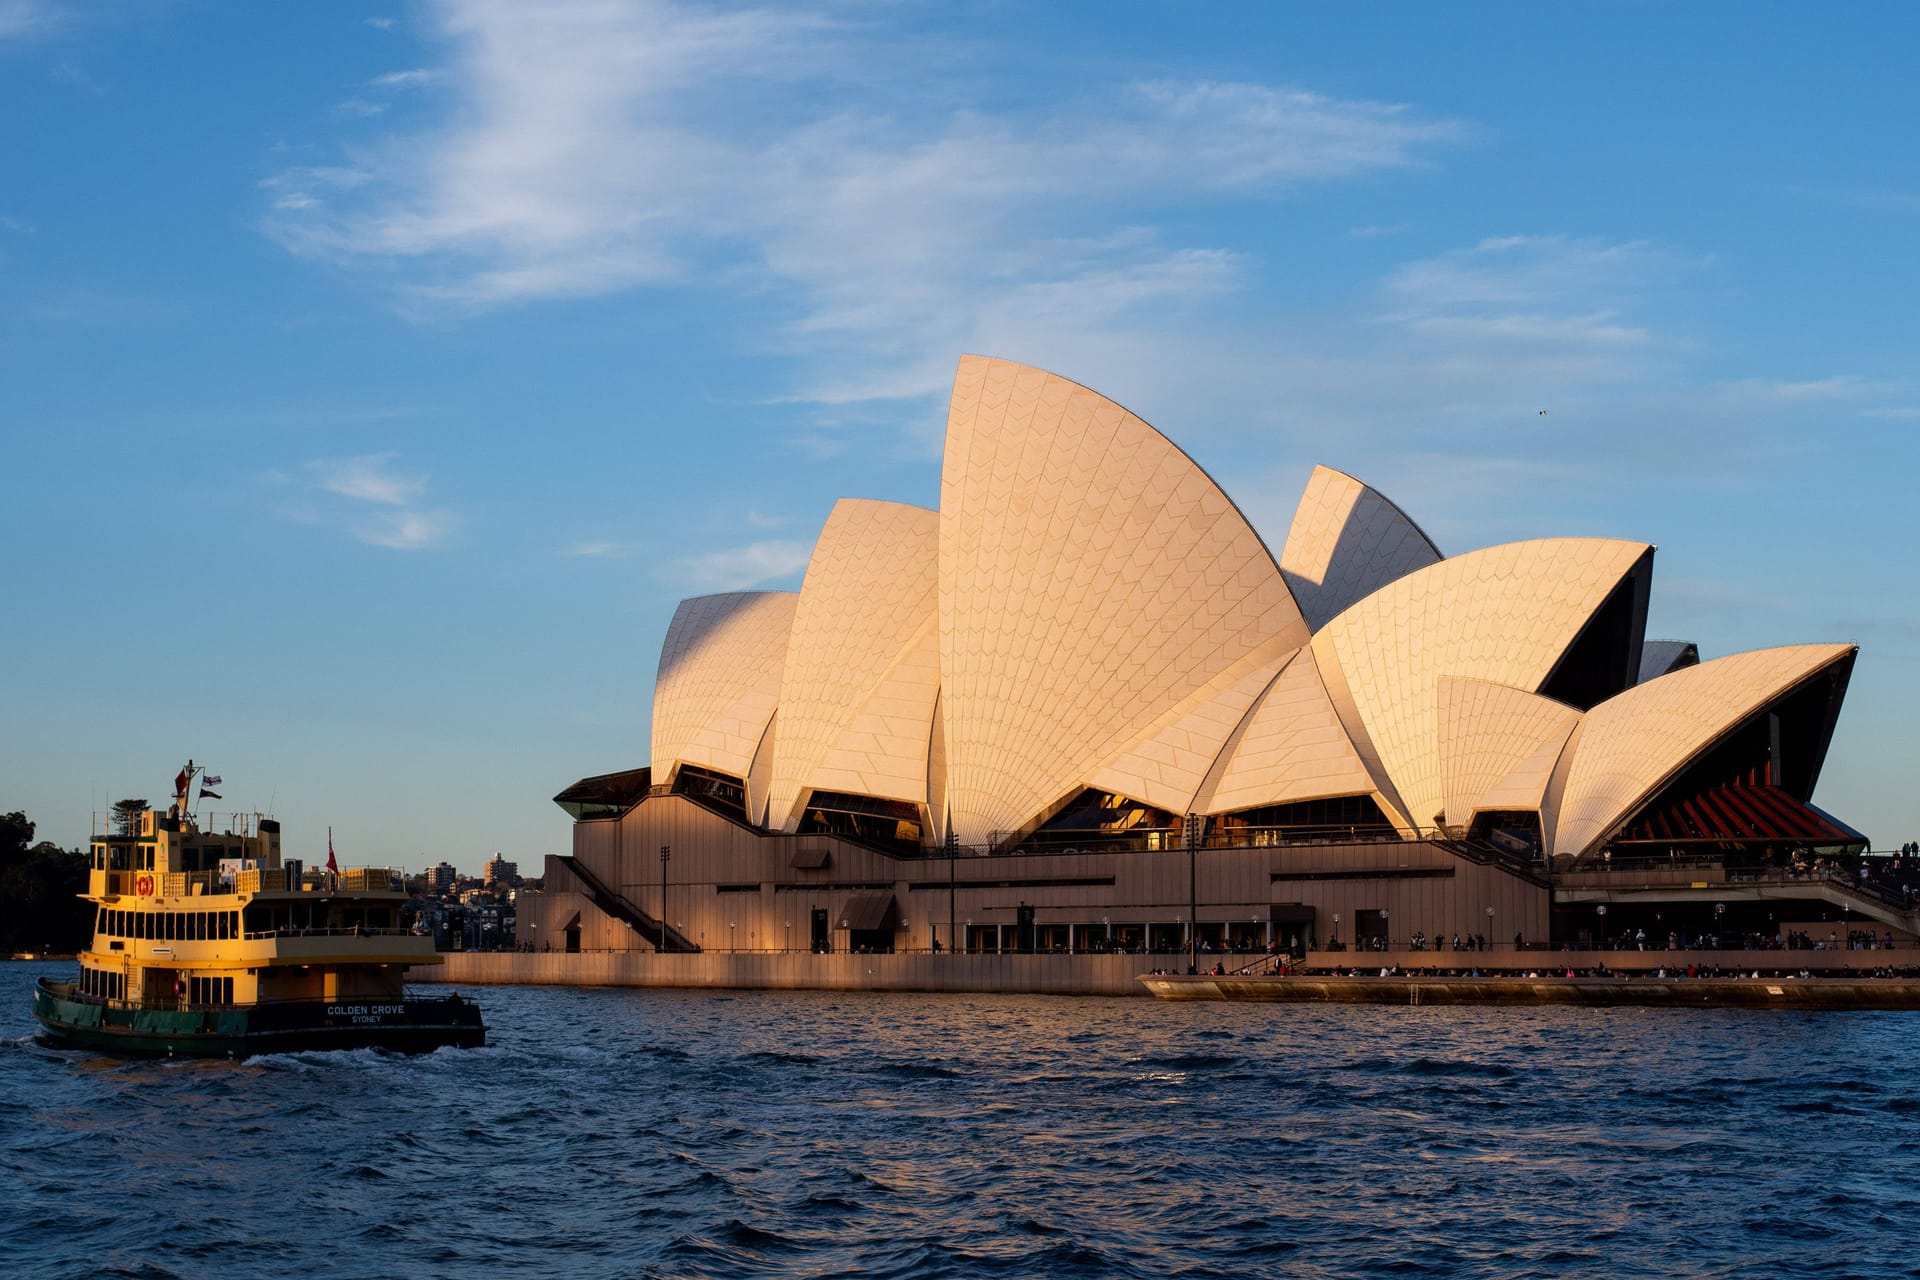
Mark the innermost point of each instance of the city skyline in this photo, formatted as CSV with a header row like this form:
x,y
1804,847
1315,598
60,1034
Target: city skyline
x,y
383,379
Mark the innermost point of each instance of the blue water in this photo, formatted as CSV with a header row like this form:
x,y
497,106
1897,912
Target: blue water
x,y
609,1133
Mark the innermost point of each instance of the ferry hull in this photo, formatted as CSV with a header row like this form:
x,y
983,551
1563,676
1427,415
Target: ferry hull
x,y
404,1026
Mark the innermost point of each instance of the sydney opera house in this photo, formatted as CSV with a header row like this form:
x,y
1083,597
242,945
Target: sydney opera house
x,y
1085,706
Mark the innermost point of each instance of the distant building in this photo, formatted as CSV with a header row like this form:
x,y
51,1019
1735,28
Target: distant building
x,y
440,878
500,871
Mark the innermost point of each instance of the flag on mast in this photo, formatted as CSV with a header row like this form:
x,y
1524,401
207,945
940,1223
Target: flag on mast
x,y
208,795
180,781
331,864
209,779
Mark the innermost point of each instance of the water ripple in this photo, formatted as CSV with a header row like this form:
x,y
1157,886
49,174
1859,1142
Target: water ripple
x,y
611,1134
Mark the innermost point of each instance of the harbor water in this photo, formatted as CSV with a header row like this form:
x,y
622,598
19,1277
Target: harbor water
x,y
631,1133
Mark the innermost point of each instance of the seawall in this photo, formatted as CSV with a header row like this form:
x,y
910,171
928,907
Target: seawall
x,y
1080,975
1691,993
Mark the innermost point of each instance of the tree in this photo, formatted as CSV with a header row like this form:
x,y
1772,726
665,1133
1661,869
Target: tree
x,y
126,816
40,909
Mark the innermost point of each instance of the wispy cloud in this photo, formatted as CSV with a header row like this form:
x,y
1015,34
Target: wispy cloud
x,y
405,530
599,550
24,18
369,480
737,568
380,24
591,148
414,79
75,76
1839,387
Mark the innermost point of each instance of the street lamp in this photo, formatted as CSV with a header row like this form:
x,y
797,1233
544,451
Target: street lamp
x,y
666,853
729,935
1336,929
1601,911
1489,927
1387,926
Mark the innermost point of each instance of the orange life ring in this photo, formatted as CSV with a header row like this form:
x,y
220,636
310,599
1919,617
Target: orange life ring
x,y
144,886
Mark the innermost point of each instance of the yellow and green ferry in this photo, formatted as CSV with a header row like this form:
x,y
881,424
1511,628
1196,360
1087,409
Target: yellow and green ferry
x,y
212,945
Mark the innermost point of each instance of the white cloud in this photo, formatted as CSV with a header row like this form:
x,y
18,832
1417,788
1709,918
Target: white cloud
x,y
405,530
367,479
407,79
23,18
1905,413
737,568
599,550
380,24
593,147
1812,390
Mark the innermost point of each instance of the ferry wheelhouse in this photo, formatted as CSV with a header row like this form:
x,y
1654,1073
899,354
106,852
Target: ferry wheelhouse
x,y
212,943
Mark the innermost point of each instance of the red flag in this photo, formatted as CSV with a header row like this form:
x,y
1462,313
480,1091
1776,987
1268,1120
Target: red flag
x,y
331,864
180,781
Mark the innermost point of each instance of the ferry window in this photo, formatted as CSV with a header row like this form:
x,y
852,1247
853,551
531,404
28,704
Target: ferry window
x,y
226,991
172,927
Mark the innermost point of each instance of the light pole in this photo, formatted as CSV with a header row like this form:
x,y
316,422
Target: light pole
x,y
789,935
1387,925
1601,911
1489,928
666,854
729,937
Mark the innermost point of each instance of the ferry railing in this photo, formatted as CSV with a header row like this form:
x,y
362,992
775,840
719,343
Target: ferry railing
x,y
344,931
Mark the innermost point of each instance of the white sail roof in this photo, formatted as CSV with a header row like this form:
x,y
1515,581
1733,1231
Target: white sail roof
x,y
719,680
1347,541
1630,745
1092,577
862,664
1290,747
1504,614
1498,746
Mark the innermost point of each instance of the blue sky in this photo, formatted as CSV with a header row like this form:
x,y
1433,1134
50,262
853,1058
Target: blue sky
x,y
374,381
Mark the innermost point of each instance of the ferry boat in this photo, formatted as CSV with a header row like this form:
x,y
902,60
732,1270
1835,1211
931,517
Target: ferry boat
x,y
212,945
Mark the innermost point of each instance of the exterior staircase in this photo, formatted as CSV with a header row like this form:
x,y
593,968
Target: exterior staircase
x,y
661,935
